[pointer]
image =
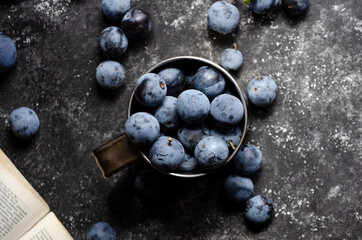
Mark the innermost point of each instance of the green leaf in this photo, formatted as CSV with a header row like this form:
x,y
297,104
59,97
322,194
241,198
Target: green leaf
x,y
246,2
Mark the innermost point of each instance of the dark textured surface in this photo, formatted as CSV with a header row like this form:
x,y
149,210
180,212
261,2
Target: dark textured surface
x,y
310,138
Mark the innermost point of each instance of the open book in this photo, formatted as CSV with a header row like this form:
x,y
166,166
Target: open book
x,y
24,215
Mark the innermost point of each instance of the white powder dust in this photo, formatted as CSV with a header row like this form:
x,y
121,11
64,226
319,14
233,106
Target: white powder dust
x,y
53,10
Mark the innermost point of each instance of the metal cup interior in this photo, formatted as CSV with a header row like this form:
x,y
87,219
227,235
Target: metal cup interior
x,y
190,65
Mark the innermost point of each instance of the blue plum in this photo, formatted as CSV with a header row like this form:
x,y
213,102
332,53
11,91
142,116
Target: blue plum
x,y
148,183
150,90
136,23
174,79
113,42
189,164
7,53
142,128
259,209
248,160
238,189
223,17
115,9
110,75
166,114
209,81
263,6
231,136
167,153
231,59
211,152
262,91
101,231
192,106
226,111
24,122
295,7
190,135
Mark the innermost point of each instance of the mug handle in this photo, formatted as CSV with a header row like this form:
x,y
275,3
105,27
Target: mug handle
x,y
114,155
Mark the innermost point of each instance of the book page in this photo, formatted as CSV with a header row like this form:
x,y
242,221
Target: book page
x,y
5,161
48,228
20,205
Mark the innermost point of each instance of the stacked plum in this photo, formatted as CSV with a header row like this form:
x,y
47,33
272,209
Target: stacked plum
x,y
135,24
185,121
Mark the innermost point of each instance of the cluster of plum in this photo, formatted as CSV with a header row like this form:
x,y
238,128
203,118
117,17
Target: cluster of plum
x,y
198,143
292,7
113,41
223,17
238,187
188,121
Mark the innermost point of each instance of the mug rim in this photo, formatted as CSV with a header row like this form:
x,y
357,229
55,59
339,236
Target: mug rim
x,y
241,97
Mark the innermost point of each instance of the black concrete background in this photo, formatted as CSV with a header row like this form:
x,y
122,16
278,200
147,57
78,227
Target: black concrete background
x,y
310,137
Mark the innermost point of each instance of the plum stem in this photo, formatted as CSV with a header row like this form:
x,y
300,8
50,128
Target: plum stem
x,y
232,145
170,141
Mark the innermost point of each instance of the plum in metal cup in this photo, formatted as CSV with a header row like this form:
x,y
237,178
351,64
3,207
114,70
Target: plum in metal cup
x,y
117,153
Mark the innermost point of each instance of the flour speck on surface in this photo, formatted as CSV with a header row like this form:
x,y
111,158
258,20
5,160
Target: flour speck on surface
x,y
53,10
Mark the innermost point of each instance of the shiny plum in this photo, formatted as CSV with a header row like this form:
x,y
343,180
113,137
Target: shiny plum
x,y
150,90
136,23
174,80
209,81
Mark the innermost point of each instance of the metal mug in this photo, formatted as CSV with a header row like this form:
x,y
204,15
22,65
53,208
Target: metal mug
x,y
116,154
